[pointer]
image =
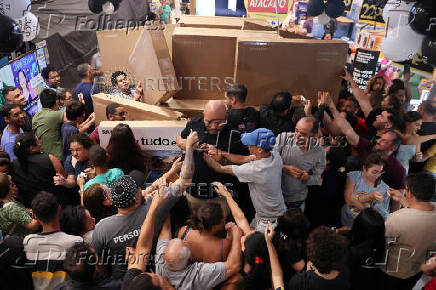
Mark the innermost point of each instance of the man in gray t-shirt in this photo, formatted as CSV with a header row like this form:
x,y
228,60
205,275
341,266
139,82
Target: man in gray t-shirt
x,y
262,175
304,160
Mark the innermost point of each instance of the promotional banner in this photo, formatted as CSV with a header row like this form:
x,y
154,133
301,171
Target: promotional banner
x,y
372,11
24,71
365,66
266,9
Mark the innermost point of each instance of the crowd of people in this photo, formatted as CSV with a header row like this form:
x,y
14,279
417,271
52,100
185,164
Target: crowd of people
x,y
295,195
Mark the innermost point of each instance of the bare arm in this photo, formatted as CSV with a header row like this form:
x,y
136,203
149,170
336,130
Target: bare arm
x,y
237,213
145,240
188,167
212,163
359,94
418,140
68,182
276,269
181,142
348,196
342,123
57,165
331,126
232,158
87,124
164,179
233,262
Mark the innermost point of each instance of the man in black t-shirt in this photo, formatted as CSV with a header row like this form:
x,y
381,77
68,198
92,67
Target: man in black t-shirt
x,y
277,116
240,117
217,139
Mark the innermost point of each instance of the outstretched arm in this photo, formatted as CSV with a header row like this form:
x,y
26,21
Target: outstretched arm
x,y
359,94
237,213
342,123
212,163
276,269
143,247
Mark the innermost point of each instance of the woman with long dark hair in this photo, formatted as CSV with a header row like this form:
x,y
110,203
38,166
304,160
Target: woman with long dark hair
x,y
33,171
366,250
123,150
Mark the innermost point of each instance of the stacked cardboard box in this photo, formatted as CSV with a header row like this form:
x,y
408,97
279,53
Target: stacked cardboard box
x,y
205,60
298,66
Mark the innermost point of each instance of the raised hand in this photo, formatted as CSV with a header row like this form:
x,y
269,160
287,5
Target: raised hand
x,y
192,140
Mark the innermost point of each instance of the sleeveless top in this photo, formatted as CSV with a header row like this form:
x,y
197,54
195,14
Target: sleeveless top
x,y
38,177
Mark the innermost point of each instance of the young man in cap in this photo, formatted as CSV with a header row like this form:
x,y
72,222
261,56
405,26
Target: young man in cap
x,y
263,176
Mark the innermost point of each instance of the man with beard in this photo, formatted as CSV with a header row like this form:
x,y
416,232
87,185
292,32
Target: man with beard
x,y
304,160
240,117
394,173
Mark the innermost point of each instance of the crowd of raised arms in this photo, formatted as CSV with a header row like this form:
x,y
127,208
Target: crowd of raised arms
x,y
332,193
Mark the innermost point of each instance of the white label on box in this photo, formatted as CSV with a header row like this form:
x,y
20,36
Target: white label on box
x,y
148,138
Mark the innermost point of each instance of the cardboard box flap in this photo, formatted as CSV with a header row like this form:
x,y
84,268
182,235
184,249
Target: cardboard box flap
x,y
115,47
257,24
151,63
136,110
143,54
204,59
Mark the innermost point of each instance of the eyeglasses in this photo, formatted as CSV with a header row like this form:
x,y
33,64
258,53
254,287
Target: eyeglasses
x,y
76,150
217,122
121,114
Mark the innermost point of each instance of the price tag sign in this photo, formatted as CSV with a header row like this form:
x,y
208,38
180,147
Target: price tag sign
x,y
348,5
372,11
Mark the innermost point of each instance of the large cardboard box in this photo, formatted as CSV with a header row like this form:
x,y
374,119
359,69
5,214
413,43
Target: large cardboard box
x,y
211,22
204,59
156,137
143,54
189,108
136,110
299,66
262,24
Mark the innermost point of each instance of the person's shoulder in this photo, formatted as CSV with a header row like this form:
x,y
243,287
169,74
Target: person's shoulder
x,y
196,120
116,171
354,174
68,159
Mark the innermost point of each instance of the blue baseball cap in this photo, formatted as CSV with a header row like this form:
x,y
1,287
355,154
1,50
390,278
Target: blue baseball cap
x,y
261,137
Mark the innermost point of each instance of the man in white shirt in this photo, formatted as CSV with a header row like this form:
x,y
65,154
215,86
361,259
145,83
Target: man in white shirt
x,y
263,176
